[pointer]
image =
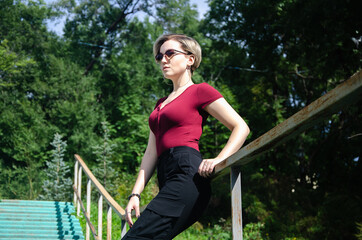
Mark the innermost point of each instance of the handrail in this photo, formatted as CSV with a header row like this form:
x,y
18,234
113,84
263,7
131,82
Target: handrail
x,y
334,100
307,117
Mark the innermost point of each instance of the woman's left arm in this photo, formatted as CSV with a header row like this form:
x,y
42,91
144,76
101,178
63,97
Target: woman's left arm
x,y
222,111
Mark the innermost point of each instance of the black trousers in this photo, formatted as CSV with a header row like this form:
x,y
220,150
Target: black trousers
x,y
182,198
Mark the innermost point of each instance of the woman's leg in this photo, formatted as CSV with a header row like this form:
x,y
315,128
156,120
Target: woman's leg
x,y
151,225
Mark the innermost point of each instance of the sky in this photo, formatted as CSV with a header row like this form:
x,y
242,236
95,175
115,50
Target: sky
x,y
57,25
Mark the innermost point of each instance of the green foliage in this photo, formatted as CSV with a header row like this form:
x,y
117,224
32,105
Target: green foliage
x,y
58,185
104,170
279,56
253,231
125,185
269,59
177,16
43,94
359,234
221,230
23,139
10,64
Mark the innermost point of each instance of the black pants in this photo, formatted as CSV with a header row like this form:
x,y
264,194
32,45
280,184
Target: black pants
x,y
182,198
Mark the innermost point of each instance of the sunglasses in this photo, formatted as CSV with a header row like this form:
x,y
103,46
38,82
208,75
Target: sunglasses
x,y
169,54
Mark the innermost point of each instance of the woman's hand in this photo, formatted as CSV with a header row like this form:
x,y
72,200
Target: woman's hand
x,y
222,111
207,166
133,204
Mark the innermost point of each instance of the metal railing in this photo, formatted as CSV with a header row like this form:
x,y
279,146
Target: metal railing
x,y
333,101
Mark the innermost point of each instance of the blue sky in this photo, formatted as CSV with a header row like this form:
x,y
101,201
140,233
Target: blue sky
x,y
57,25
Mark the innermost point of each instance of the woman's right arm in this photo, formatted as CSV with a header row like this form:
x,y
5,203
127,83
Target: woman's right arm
x,y
148,166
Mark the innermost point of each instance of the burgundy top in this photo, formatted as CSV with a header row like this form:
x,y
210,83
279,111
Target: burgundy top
x,y
180,122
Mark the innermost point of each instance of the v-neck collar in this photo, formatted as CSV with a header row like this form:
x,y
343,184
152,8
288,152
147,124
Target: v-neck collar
x,y
160,107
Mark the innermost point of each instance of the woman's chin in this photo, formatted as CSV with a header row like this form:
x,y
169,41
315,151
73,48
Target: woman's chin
x,y
166,75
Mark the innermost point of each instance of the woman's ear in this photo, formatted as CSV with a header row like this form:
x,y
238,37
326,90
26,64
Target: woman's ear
x,y
191,60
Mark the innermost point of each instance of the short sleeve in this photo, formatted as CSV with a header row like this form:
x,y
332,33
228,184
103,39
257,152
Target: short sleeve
x,y
207,94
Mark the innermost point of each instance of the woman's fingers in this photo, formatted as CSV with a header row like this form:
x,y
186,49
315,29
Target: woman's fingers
x,y
137,209
206,167
129,217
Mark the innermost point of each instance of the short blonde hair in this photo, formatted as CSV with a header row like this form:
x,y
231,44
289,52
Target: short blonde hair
x,y
188,44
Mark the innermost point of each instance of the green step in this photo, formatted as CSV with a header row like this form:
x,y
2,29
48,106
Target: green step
x,y
61,227
39,236
22,219
34,203
38,223
34,210
63,219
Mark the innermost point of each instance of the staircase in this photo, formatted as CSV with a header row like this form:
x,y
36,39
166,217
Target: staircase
x,y
20,219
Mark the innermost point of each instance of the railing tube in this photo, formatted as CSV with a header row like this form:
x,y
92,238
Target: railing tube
x,y
89,182
100,214
124,228
109,223
79,188
75,181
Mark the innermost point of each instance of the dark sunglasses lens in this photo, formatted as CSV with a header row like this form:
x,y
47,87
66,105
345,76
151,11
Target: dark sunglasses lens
x,y
159,57
169,53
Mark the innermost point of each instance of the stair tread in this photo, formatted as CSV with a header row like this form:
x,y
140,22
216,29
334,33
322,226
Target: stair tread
x,y
33,201
42,227
24,219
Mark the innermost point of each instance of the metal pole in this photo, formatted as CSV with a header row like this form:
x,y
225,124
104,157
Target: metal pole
x,y
100,213
79,189
124,228
109,223
89,184
75,181
236,212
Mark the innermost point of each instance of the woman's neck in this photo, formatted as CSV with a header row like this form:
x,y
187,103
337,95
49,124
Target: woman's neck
x,y
182,82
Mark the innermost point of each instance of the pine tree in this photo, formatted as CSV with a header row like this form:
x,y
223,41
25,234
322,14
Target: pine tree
x,y
57,186
104,171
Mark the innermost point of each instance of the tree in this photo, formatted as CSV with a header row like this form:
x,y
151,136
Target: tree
x,y
58,185
10,64
177,16
105,171
95,27
41,92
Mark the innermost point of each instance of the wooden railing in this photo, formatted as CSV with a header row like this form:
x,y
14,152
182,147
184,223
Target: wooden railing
x,y
343,95
80,167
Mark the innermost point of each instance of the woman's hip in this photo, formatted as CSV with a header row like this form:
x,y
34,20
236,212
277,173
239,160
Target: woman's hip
x,y
178,162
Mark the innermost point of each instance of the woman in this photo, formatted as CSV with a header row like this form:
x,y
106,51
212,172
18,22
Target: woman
x,y
176,126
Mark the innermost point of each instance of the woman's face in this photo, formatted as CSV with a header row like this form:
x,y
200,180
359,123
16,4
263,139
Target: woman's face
x,y
175,65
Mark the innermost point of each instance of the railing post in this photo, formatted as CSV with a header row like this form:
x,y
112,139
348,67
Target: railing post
x,y
75,181
100,215
236,206
124,228
79,189
89,184
109,223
